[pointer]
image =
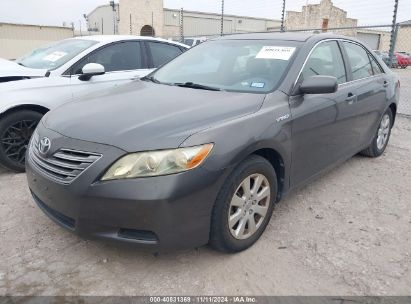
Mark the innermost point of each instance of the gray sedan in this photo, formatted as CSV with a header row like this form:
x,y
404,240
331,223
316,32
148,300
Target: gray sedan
x,y
200,151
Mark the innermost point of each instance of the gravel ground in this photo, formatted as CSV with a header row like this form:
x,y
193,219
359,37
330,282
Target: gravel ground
x,y
347,233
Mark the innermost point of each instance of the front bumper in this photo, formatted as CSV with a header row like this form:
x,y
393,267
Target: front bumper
x,y
166,213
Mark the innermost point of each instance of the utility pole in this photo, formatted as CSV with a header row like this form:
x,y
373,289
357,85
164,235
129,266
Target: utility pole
x,y
131,26
222,17
394,31
152,24
282,29
113,5
182,25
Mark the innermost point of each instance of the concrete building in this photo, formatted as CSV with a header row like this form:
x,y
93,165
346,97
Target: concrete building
x,y
324,17
149,17
18,39
319,16
103,20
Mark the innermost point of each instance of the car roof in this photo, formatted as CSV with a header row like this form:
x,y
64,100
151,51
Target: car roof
x,y
114,38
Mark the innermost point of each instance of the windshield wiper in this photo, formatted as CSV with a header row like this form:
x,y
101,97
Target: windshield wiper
x,y
150,78
193,85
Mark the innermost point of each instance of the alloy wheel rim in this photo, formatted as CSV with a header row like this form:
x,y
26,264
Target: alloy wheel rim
x,y
249,206
383,132
16,138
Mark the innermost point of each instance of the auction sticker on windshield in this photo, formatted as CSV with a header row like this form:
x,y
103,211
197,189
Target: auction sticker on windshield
x,y
276,52
55,56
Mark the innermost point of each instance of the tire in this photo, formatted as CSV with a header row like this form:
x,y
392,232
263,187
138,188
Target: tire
x,y
15,132
222,238
376,149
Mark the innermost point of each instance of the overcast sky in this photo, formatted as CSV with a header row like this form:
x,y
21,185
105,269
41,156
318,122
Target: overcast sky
x,y
55,12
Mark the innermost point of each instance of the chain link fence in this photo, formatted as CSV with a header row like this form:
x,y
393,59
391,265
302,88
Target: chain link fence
x,y
390,41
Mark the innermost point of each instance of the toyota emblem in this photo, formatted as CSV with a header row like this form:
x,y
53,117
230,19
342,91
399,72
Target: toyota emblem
x,y
44,145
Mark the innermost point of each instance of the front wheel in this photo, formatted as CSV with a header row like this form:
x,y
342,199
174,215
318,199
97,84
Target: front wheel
x,y
16,130
381,138
244,205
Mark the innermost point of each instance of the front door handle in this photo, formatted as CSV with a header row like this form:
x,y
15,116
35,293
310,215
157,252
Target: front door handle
x,y
351,98
386,83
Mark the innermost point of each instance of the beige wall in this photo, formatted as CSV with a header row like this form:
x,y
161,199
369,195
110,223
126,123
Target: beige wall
x,y
17,40
404,39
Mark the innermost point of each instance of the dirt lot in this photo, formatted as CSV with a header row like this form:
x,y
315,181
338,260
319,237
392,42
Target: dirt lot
x,y
348,233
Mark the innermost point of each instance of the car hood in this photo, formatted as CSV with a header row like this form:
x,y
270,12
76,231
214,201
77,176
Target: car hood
x,y
12,69
144,116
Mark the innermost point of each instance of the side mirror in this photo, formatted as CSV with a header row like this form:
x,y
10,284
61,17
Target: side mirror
x,y
319,85
90,70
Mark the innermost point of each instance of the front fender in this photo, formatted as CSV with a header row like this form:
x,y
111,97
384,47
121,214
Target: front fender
x,y
44,92
268,128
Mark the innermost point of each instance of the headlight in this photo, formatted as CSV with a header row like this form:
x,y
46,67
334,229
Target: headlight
x,y
144,164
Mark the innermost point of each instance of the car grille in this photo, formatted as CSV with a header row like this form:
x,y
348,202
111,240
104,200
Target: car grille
x,y
63,166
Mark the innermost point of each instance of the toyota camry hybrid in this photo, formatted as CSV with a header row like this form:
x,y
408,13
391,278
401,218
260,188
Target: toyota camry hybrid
x,y
200,150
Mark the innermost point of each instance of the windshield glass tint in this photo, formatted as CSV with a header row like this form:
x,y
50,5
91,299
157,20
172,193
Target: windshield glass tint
x,y
55,55
232,65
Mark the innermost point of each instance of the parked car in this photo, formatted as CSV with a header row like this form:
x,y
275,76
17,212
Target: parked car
x,y
385,56
193,41
405,54
403,60
58,73
200,150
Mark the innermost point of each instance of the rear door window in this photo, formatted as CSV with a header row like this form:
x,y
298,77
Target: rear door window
x,y
358,60
162,53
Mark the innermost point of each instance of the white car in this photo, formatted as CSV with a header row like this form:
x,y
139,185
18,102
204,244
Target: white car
x,y
63,71
194,41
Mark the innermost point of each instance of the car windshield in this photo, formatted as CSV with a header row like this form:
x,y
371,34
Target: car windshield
x,y
55,55
254,66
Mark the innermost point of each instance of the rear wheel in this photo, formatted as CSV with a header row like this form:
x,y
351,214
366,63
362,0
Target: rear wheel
x,y
381,138
16,130
244,206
